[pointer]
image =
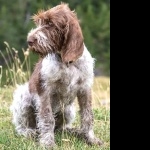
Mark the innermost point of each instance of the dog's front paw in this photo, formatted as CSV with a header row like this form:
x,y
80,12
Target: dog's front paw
x,y
47,140
93,141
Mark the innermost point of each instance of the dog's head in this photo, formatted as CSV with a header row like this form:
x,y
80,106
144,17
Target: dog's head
x,y
57,31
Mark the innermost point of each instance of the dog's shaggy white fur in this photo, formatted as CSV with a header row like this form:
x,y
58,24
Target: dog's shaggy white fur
x,y
64,72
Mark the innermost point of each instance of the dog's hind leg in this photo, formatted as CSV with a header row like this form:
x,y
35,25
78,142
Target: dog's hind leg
x,y
22,108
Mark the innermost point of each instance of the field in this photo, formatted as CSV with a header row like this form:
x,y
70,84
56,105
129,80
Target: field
x,y
9,140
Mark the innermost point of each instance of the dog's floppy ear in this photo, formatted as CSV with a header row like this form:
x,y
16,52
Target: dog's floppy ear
x,y
73,41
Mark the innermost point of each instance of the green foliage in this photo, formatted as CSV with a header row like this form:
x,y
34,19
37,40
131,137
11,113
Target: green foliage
x,y
96,24
94,15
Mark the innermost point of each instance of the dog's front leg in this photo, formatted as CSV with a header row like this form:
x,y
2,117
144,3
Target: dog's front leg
x,y
46,122
86,130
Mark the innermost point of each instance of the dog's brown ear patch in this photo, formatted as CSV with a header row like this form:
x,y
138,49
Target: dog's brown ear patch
x,y
73,45
73,40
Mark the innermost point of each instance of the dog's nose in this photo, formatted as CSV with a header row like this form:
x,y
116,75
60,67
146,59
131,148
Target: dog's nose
x,y
31,41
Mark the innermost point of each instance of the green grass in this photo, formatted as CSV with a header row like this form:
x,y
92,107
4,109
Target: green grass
x,y
9,140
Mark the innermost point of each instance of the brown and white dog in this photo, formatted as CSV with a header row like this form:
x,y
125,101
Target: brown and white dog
x,y
64,72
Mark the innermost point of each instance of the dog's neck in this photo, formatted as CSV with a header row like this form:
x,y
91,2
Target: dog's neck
x,y
58,56
59,59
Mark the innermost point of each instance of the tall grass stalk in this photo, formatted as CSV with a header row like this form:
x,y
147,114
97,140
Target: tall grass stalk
x,y
1,76
17,71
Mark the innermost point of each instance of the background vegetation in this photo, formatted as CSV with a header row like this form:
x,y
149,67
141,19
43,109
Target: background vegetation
x,y
94,15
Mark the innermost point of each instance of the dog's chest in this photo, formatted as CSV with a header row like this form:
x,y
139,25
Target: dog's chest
x,y
65,80
62,85
60,78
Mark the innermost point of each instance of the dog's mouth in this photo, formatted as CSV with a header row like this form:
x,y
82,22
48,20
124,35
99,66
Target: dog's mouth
x,y
31,48
37,50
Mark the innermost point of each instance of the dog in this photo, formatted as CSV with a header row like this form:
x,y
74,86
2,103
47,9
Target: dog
x,y
64,71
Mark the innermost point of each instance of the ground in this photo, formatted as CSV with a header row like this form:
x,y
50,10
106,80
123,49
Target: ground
x,y
9,140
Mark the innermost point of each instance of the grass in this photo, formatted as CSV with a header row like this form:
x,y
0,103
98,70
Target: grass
x,y
16,69
10,140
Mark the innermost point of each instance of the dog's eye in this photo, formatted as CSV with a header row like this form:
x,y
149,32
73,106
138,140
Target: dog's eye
x,y
48,22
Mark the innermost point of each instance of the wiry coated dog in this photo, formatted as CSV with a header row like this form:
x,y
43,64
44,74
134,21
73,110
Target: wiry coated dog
x,y
64,72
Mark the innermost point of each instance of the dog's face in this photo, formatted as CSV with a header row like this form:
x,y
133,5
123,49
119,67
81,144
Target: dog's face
x,y
57,31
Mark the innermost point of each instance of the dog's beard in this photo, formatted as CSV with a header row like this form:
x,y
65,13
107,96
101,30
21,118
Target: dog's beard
x,y
42,52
